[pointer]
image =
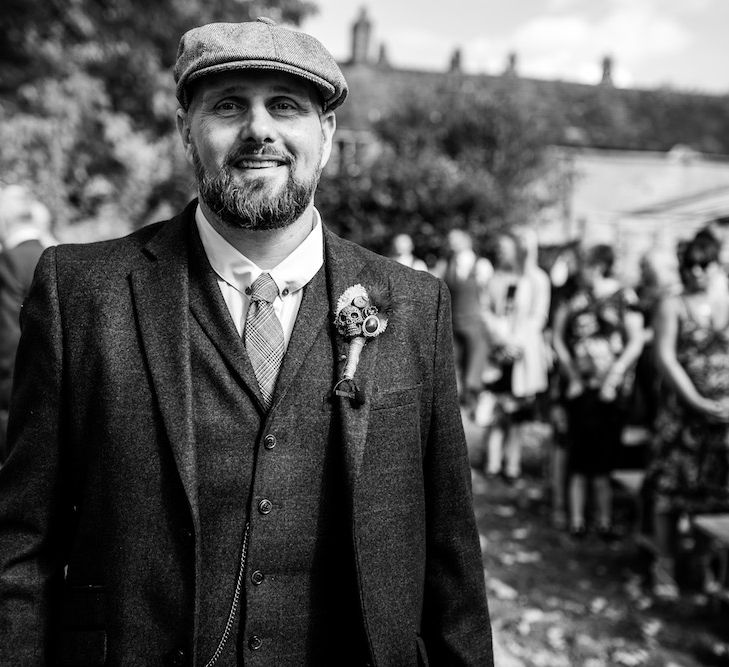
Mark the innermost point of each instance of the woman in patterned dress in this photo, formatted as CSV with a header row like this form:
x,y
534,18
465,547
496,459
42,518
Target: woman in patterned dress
x,y
598,335
690,470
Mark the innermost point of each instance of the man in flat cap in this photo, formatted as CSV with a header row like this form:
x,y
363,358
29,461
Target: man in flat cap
x,y
235,437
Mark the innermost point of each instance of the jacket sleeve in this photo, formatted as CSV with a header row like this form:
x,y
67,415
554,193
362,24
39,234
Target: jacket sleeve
x,y
455,623
30,488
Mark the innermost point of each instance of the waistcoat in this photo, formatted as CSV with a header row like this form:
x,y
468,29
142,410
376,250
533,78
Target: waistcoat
x,y
282,474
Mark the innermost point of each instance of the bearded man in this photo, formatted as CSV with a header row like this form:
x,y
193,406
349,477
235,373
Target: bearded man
x,y
235,437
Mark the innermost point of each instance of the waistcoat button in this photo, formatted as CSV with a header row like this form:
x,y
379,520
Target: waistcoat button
x,y
265,506
257,578
255,642
269,442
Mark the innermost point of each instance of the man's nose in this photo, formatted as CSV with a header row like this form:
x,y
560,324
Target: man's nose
x,y
258,126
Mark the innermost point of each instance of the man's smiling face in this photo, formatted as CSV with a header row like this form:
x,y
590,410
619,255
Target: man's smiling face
x,y
258,141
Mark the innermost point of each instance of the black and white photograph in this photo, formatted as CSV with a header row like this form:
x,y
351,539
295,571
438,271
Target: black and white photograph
x,y
369,333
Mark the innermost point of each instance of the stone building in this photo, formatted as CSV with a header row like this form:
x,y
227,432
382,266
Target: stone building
x,y
640,169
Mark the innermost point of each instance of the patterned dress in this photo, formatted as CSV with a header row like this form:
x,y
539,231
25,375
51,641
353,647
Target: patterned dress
x,y
595,337
690,470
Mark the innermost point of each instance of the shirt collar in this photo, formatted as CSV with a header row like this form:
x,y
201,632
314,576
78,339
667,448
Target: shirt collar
x,y
290,275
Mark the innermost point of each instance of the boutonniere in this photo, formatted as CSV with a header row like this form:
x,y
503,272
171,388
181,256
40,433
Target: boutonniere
x,y
361,316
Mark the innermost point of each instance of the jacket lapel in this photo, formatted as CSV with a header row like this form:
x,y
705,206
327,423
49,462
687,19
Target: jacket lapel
x,y
346,266
161,300
310,320
209,309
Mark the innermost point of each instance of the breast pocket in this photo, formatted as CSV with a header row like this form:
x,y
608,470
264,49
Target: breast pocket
x,y
394,429
396,398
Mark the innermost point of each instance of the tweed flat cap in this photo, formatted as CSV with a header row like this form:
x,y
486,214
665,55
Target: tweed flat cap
x,y
259,44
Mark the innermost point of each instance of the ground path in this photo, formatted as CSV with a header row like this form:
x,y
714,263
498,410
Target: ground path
x,y
556,603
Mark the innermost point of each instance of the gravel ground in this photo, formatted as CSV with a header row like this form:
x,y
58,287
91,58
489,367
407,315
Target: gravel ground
x,y
557,603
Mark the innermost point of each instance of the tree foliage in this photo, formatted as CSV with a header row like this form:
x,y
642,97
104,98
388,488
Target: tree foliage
x,y
452,156
87,102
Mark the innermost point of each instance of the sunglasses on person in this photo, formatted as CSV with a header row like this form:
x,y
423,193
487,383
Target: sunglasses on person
x,y
703,264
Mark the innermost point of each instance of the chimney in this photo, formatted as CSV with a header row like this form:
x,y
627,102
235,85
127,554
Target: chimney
x,y
455,66
361,39
607,71
511,60
382,59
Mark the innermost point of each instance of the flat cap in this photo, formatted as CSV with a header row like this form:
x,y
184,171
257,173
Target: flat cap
x,y
259,44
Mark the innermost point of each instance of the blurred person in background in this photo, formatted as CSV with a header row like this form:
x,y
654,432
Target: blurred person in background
x,y
467,276
689,472
516,307
402,250
564,282
719,228
24,233
719,279
656,281
598,336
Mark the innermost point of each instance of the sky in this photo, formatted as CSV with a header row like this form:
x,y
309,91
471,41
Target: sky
x,y
683,44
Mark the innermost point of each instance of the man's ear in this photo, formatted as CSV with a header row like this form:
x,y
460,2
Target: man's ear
x,y
183,127
328,125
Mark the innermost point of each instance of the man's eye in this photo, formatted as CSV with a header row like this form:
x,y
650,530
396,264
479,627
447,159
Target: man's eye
x,y
227,106
284,106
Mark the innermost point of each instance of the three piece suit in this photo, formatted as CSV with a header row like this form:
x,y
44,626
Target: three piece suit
x,y
142,459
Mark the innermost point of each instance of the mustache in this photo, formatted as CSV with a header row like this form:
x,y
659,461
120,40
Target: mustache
x,y
256,150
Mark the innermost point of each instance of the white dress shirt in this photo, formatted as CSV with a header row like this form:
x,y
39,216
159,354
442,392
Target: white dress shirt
x,y
236,273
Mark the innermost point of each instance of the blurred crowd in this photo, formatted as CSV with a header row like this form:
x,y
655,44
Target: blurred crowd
x,y
621,376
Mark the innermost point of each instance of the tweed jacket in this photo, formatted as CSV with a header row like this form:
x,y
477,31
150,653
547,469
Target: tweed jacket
x,y
99,520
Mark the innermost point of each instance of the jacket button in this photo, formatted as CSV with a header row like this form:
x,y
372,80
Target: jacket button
x,y
255,642
265,506
257,578
269,442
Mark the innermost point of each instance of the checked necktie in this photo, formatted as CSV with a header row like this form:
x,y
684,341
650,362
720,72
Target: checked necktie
x,y
263,335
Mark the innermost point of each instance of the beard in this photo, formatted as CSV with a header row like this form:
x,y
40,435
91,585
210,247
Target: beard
x,y
251,204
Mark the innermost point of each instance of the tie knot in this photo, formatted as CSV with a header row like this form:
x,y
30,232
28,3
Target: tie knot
x,y
264,288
